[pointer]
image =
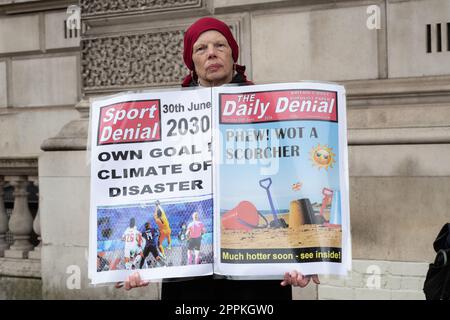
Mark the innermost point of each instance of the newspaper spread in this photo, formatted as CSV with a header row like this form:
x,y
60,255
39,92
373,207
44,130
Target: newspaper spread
x,y
242,181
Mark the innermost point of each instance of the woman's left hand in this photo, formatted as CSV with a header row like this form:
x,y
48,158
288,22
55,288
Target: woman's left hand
x,y
297,279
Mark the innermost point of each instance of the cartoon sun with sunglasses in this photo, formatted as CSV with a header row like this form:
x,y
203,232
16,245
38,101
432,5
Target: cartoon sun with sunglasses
x,y
322,157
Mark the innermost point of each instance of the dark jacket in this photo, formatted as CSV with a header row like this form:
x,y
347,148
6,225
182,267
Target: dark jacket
x,y
238,78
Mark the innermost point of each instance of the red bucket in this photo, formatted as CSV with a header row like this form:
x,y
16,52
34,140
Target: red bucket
x,y
242,217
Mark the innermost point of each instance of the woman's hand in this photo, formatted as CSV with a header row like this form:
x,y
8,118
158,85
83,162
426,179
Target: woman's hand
x,y
133,281
297,279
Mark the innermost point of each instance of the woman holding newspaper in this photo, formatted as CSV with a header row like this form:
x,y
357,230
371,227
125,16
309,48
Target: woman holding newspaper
x,y
211,52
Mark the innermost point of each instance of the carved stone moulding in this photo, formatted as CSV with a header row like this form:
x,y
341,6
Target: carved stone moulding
x,y
100,8
119,62
19,166
26,6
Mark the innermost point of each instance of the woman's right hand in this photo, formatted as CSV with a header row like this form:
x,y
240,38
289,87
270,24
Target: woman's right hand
x,y
297,279
133,281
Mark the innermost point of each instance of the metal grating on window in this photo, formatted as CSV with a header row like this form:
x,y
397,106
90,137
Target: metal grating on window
x,y
439,39
70,33
448,36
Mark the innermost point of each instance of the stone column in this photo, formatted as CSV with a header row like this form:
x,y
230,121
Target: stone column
x,y
36,253
21,221
3,220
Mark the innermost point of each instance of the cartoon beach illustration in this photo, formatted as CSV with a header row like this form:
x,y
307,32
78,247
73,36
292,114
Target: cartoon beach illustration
x,y
300,214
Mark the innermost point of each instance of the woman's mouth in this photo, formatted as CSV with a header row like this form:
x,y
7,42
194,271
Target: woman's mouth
x,y
214,67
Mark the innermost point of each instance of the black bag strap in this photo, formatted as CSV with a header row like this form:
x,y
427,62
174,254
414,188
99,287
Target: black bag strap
x,y
442,258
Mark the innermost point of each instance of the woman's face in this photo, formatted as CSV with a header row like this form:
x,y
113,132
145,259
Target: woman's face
x,y
213,60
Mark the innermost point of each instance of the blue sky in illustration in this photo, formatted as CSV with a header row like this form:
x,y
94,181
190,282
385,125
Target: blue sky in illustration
x,y
240,182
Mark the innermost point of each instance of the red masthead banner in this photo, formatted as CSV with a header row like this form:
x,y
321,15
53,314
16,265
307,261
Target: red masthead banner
x,y
129,122
267,106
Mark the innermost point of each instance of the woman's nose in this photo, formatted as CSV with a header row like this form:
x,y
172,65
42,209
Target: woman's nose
x,y
211,50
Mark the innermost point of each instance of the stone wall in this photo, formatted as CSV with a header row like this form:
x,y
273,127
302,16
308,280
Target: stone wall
x,y
377,280
39,87
398,95
39,77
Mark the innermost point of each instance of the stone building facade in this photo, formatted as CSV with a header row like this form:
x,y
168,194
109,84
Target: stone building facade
x,y
392,56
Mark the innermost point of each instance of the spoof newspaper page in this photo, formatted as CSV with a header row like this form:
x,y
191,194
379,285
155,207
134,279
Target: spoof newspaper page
x,y
281,180
151,185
